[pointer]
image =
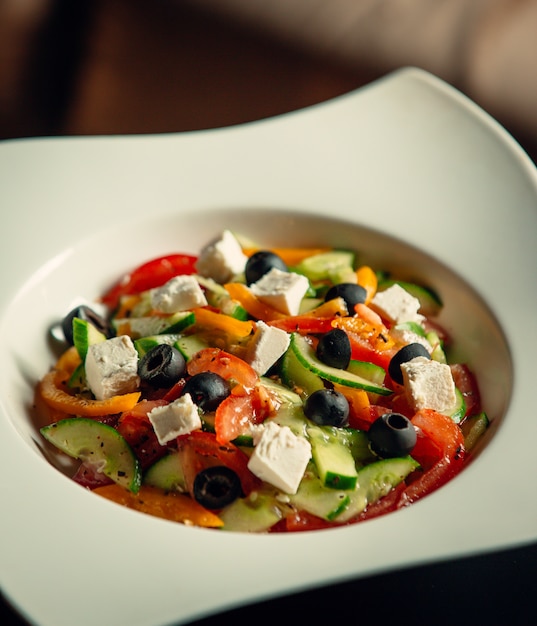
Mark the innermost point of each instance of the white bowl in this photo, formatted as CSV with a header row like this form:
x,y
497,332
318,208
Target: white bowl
x,y
408,172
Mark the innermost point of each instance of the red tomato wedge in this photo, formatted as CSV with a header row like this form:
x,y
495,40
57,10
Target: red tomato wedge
x,y
152,274
138,431
439,450
227,365
200,449
237,413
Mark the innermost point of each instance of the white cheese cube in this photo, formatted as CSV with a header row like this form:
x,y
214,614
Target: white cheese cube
x,y
266,347
396,305
112,367
429,384
180,293
180,417
281,290
222,259
280,457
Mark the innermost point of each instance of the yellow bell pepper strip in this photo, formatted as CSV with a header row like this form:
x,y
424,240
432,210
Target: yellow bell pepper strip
x,y
225,323
52,391
358,403
290,256
175,507
252,304
367,279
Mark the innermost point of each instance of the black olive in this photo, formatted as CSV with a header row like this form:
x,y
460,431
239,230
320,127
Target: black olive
x,y
334,349
260,263
216,487
405,354
327,407
392,435
352,293
162,366
207,390
89,315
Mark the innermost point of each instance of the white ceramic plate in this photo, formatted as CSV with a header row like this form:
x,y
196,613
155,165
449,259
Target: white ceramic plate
x,y
408,172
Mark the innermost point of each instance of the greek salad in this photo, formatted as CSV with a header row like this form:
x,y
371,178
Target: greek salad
x,y
260,390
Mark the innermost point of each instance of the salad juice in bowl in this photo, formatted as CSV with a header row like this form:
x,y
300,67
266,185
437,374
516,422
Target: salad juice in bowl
x,y
432,229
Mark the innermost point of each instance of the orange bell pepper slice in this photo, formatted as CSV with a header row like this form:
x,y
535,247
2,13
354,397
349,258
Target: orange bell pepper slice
x,y
251,303
290,256
51,391
175,507
225,323
367,279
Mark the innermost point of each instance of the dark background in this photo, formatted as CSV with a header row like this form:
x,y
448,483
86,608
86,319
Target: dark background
x,y
133,66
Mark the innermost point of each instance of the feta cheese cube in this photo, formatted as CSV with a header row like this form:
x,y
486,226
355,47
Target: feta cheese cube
x,y
429,384
281,290
222,259
280,457
112,367
405,336
396,305
180,417
180,293
266,347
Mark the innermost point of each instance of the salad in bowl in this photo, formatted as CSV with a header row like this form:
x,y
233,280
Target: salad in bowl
x,y
260,389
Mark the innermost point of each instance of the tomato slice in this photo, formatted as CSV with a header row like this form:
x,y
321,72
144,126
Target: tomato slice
x,y
138,431
200,449
439,450
152,274
227,365
298,521
237,413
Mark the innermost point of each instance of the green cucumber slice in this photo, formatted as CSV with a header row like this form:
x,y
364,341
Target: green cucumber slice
x,y
99,444
254,514
459,410
326,265
189,345
473,428
314,497
332,457
306,356
375,373
144,344
296,376
284,394
166,473
430,301
84,335
375,481
218,297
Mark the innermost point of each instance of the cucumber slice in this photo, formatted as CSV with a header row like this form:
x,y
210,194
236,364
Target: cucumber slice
x,y
375,373
99,444
284,394
430,302
459,410
189,345
375,481
332,457
296,376
166,473
326,265
254,514
313,497
307,358
138,327
144,344
473,428
218,297
84,335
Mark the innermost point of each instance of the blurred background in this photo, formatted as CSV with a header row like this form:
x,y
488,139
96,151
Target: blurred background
x,y
142,66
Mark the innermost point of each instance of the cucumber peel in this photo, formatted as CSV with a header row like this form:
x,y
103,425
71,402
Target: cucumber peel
x,y
307,357
98,444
